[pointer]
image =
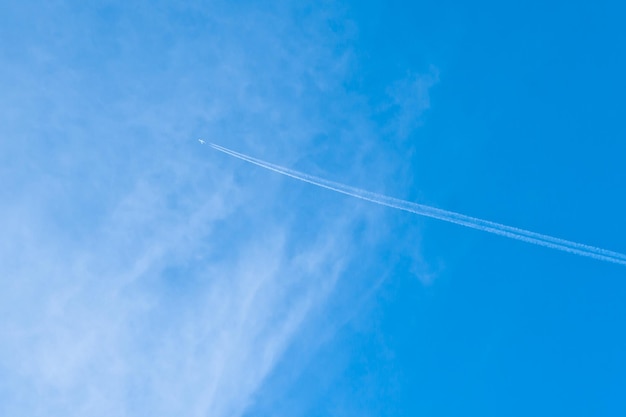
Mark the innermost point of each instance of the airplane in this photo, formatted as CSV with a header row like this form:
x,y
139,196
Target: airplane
x,y
201,141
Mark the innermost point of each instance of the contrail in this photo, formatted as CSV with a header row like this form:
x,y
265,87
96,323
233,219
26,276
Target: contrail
x,y
436,213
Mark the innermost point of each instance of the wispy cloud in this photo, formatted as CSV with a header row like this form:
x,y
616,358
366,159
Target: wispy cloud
x,y
409,98
140,275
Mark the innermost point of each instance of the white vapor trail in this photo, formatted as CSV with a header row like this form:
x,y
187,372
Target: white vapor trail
x,y
448,216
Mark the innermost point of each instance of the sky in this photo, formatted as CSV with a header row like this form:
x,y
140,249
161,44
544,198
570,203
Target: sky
x,y
143,273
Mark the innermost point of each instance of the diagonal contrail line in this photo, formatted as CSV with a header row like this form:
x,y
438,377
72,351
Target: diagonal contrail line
x,y
445,215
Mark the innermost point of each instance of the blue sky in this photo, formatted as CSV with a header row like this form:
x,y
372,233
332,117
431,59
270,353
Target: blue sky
x,y
143,274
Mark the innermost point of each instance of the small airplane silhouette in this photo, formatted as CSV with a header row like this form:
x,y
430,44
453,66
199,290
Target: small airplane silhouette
x,y
201,141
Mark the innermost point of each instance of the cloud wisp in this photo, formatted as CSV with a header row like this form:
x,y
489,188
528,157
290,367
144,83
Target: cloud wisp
x,y
133,282
440,214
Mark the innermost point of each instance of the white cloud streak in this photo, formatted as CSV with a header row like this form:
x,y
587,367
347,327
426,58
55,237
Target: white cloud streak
x,y
436,213
137,281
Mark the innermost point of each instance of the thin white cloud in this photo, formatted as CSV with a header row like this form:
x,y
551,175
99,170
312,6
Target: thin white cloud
x,y
409,98
90,330
140,274
440,214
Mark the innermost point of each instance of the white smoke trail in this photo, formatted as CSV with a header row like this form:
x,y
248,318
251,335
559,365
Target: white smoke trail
x,y
448,216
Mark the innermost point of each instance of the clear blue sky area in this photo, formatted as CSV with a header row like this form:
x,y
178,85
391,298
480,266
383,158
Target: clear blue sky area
x,y
145,274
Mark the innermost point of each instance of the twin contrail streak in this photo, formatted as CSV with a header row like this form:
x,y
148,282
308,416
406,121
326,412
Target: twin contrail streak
x,y
436,213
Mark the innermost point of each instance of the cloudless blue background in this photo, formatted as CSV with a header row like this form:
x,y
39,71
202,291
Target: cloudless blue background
x,y
526,127
507,111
